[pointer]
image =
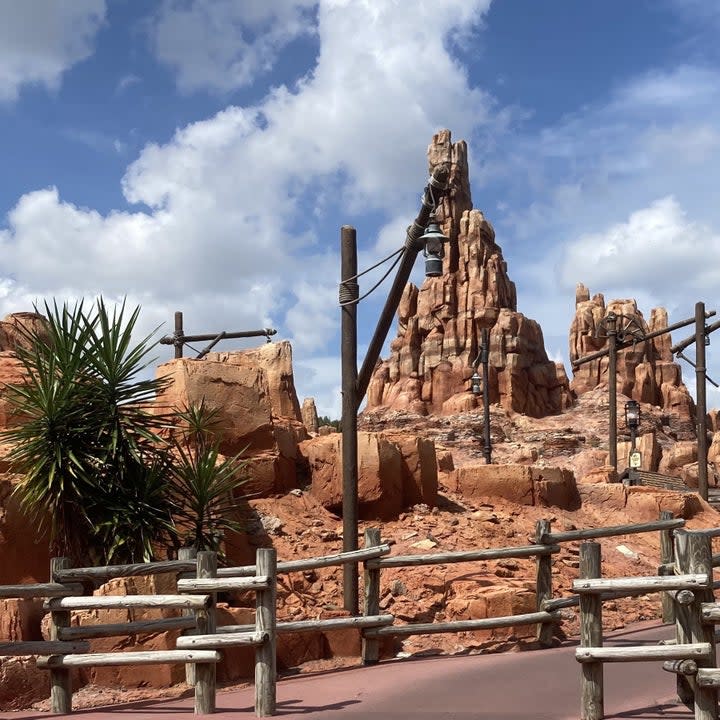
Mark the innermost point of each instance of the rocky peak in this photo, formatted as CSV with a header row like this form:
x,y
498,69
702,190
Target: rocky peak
x,y
645,370
440,323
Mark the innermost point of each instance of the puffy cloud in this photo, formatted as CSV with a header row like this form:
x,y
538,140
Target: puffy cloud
x,y
222,45
233,211
41,39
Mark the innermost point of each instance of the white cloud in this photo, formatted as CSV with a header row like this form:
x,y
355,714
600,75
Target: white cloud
x,y
645,252
232,217
41,39
222,45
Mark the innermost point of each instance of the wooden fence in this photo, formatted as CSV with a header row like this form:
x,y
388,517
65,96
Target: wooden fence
x,y
200,580
685,580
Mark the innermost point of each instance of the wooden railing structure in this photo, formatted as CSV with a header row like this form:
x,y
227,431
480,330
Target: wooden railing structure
x,y
685,578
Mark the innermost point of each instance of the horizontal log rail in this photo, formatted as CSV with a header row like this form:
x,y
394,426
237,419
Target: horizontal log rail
x,y
221,640
39,590
42,647
108,572
710,612
681,667
708,677
641,653
365,621
463,625
137,627
574,600
105,602
289,566
159,657
194,585
611,531
641,584
520,552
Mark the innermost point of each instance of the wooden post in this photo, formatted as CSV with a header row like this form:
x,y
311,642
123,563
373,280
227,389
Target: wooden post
x,y
60,680
206,623
543,583
266,621
188,553
611,328
592,698
371,606
701,399
349,292
694,555
178,335
667,556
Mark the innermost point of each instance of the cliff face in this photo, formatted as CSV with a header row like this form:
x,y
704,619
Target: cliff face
x,y
440,323
645,369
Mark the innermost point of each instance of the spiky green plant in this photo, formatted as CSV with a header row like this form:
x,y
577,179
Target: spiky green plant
x,y
206,482
86,438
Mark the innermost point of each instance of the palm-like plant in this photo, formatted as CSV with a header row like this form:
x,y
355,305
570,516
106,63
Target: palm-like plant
x,y
86,437
205,481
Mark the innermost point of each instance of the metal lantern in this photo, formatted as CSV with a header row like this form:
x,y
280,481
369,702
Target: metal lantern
x,y
475,384
632,414
433,249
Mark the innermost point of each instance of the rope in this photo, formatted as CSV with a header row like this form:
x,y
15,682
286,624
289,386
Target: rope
x,y
353,300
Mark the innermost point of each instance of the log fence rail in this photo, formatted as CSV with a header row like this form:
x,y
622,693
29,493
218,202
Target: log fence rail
x,y
690,657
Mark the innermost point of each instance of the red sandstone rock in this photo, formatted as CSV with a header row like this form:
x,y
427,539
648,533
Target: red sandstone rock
x,y
645,370
309,415
389,477
439,324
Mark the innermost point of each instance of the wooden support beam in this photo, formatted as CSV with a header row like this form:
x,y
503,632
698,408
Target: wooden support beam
x,y
641,653
612,531
156,657
138,627
201,585
265,623
42,647
107,572
653,583
443,558
371,601
60,680
592,697
40,590
107,602
217,641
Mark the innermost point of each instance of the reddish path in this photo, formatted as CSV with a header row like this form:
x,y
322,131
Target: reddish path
x,y
537,685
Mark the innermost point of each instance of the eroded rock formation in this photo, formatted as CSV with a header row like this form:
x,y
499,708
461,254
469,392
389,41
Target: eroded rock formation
x,y
440,323
645,369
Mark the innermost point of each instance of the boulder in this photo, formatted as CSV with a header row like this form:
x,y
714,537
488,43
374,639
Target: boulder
x,y
390,476
258,414
308,411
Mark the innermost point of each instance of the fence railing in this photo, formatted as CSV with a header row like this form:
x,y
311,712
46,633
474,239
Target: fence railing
x,y
686,584
200,580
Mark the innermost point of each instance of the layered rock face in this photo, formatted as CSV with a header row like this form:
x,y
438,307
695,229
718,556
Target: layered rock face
x,y
253,392
440,324
645,370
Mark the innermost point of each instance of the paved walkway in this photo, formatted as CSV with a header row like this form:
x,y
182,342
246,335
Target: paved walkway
x,y
532,685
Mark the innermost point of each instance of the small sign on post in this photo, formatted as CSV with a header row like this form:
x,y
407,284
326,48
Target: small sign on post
x,y
635,460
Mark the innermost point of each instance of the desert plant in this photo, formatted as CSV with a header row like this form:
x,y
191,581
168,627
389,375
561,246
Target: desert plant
x,y
206,483
87,447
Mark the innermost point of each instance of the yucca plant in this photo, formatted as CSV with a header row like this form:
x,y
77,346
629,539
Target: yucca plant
x,y
87,447
204,480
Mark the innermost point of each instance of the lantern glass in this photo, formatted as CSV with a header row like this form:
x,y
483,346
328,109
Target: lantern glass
x,y
632,414
475,384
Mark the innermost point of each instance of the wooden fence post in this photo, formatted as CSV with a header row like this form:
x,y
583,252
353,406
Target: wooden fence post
x,y
371,605
266,621
206,623
693,554
188,553
667,556
543,583
592,698
60,679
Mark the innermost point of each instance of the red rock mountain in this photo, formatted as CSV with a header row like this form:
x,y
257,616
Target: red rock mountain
x,y
440,323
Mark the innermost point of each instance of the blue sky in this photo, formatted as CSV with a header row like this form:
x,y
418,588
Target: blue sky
x,y
201,155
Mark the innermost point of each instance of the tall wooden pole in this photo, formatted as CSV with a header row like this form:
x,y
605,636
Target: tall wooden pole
x,y
485,358
178,335
701,403
611,328
349,293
